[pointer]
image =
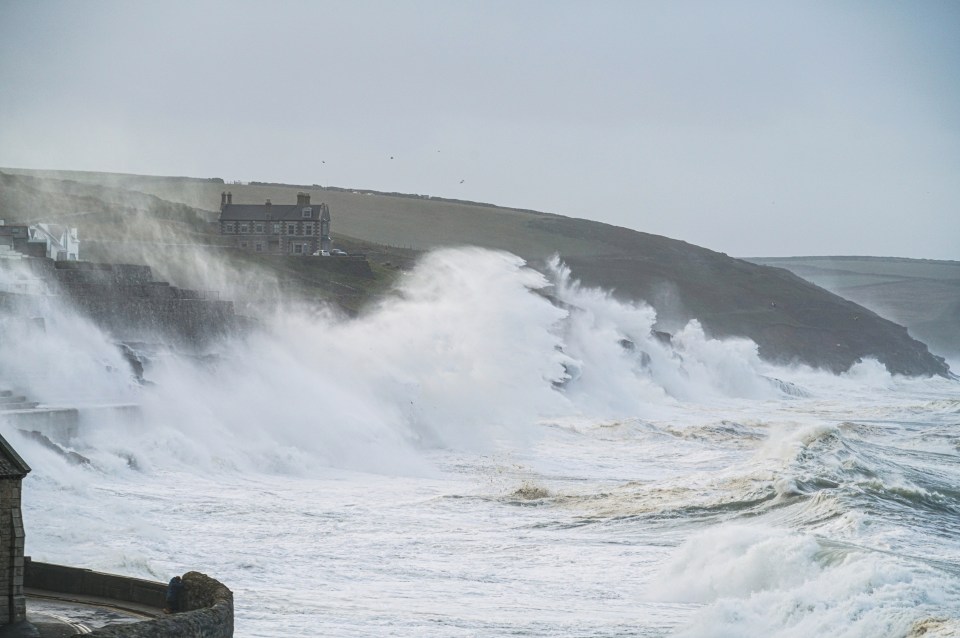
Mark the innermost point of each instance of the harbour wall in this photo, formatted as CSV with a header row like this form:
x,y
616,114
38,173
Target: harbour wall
x,y
207,605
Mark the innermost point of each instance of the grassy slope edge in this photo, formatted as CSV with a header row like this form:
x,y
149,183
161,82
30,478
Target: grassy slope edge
x,y
789,318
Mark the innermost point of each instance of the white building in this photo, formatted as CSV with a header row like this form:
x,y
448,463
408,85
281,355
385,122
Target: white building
x,y
62,242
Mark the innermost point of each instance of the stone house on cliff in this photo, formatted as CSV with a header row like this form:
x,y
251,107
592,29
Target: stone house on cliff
x,y
13,608
279,229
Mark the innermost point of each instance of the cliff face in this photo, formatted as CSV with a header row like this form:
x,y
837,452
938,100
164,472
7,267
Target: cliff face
x,y
920,294
789,318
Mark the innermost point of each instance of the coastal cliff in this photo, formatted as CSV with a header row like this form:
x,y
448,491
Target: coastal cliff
x,y
790,319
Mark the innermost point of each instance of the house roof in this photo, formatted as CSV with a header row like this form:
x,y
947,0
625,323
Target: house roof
x,y
278,212
11,465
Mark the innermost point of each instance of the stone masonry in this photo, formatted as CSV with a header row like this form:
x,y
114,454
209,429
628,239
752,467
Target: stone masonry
x,y
12,471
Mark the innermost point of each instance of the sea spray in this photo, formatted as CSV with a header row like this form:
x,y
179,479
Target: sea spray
x,y
496,451
758,580
463,354
460,356
624,365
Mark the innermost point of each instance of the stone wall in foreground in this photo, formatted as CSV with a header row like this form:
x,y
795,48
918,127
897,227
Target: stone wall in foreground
x,y
207,604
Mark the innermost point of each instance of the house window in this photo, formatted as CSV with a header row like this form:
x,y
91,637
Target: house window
x,y
298,249
258,246
258,228
276,228
244,228
291,229
307,228
307,213
229,227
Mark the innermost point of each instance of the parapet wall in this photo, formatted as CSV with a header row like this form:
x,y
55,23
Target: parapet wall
x,y
73,580
207,604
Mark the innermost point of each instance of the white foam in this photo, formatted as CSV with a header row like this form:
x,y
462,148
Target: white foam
x,y
372,456
761,581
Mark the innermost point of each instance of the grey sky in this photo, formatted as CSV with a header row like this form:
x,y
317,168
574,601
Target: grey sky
x,y
754,128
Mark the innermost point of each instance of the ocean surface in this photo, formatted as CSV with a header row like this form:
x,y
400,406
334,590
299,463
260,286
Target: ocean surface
x,y
498,452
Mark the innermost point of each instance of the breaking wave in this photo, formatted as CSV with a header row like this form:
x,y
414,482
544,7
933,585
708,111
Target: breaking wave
x,y
472,348
747,499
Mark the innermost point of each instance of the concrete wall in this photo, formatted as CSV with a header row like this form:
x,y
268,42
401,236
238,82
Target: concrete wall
x,y
58,424
176,320
207,603
73,580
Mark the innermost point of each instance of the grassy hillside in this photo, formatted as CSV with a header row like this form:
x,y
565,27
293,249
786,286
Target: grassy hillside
x,y
790,319
921,294
183,246
417,223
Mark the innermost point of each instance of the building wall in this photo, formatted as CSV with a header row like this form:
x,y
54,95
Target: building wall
x,y
280,239
11,553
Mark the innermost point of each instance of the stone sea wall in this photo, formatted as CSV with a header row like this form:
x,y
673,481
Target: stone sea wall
x,y
207,604
125,300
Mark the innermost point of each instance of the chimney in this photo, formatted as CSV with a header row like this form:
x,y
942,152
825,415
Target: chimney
x,y
229,198
306,199
223,199
300,199
269,207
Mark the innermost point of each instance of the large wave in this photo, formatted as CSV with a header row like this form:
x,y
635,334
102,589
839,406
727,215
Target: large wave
x,y
685,438
473,347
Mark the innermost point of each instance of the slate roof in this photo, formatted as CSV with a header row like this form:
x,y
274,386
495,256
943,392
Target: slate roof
x,y
258,212
11,465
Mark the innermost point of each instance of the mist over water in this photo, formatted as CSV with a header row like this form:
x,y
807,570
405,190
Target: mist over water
x,y
492,450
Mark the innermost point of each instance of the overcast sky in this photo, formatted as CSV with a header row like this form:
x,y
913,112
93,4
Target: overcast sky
x,y
754,128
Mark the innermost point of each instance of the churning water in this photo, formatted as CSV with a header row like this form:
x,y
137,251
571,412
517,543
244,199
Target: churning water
x,y
496,452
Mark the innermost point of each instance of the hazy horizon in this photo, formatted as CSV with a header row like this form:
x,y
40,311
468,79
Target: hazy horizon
x,y
755,129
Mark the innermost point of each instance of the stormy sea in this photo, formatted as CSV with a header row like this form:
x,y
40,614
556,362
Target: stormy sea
x,y
497,451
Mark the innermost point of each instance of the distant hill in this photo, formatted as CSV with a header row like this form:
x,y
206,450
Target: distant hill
x,y
789,318
921,294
